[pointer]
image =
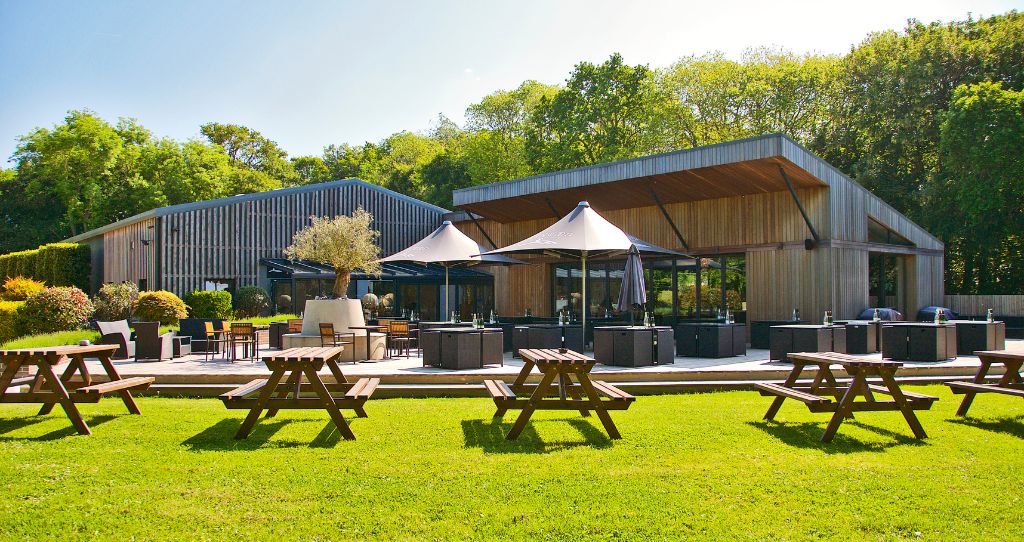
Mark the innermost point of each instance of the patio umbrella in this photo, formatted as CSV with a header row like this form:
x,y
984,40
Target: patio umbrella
x,y
632,291
448,247
582,234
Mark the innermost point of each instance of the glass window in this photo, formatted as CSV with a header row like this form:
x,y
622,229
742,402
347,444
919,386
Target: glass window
x,y
428,302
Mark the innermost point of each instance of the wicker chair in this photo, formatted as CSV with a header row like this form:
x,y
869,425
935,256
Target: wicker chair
x,y
401,337
150,344
243,333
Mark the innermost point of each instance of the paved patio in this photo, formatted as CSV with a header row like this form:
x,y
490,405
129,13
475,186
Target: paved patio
x,y
753,366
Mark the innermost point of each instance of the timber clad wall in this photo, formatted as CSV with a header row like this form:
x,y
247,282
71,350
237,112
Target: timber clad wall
x,y
759,219
225,238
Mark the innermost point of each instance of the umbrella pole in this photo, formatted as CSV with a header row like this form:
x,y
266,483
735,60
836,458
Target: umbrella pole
x,y
583,301
447,314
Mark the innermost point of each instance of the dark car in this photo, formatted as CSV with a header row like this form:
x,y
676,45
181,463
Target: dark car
x,y
885,313
927,314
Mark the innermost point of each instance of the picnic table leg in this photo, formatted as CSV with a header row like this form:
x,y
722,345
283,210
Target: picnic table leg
x,y
790,380
576,396
126,395
537,397
265,394
65,377
10,369
294,380
597,407
524,373
844,408
328,402
979,378
901,402
63,398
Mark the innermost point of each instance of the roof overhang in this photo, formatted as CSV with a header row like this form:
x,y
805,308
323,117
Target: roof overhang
x,y
737,168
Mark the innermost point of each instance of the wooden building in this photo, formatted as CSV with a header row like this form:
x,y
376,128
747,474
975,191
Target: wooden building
x,y
765,214
221,243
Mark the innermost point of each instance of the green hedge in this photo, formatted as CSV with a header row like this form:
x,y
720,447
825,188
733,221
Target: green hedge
x,y
209,304
56,264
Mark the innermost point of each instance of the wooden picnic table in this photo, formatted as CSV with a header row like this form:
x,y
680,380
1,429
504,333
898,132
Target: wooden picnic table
x,y
565,365
46,388
845,403
1009,383
296,362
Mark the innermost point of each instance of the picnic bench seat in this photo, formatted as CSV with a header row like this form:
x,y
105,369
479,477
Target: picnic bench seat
x,y
565,366
966,387
1010,382
846,403
103,388
288,367
770,389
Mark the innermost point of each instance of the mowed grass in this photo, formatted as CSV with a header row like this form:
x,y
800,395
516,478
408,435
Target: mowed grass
x,y
689,466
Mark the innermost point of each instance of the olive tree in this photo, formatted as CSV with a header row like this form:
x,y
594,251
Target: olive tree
x,y
346,243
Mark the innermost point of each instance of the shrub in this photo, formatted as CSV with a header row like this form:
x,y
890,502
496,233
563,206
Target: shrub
x,y
160,306
58,264
10,320
21,288
62,308
116,301
209,304
251,301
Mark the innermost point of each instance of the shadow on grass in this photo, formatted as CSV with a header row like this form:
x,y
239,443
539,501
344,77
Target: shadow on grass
x,y
808,435
1012,426
490,436
221,436
14,424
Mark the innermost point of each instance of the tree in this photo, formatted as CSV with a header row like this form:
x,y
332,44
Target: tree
x,y
72,161
250,148
982,135
497,127
310,169
604,113
346,243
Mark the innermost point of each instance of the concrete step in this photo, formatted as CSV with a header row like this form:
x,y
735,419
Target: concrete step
x,y
385,391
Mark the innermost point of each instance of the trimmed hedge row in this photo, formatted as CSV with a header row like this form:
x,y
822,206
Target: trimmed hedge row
x,y
56,264
209,304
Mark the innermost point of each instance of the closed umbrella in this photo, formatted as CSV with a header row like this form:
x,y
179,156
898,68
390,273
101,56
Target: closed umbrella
x,y
632,291
448,247
582,234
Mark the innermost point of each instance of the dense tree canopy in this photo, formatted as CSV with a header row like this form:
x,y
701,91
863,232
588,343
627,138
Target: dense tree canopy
x,y
928,118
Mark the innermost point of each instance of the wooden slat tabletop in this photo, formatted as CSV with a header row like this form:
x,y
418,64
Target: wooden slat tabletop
x,y
552,355
66,350
309,353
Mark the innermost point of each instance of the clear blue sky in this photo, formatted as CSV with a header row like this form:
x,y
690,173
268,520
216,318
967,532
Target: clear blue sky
x,y
307,74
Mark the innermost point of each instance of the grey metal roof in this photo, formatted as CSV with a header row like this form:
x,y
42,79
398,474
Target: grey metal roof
x,y
240,198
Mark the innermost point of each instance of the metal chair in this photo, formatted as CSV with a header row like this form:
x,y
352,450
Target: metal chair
x,y
215,341
295,326
399,337
329,337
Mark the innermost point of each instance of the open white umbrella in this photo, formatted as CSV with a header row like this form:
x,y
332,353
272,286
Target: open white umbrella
x,y
582,234
448,247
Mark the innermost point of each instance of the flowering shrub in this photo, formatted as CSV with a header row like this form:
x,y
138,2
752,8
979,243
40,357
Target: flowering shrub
x,y
116,301
21,288
250,301
10,320
63,308
160,306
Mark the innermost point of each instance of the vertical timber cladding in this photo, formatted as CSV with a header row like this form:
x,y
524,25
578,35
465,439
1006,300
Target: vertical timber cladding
x,y
129,253
225,239
767,228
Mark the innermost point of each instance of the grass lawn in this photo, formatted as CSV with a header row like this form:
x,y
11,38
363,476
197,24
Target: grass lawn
x,y
688,466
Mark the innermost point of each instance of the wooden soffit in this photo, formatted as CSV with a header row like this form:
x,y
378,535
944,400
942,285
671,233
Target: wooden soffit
x,y
749,177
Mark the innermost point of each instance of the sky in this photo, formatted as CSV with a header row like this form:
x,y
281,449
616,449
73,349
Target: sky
x,y
307,74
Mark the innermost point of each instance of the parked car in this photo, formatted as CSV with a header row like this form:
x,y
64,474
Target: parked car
x,y
927,314
885,313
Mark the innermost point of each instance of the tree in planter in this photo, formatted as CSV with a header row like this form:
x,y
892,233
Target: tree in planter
x,y
346,243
